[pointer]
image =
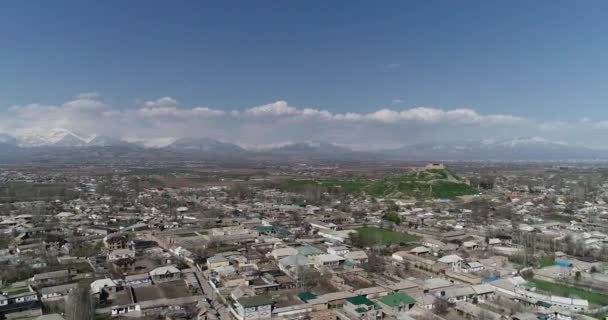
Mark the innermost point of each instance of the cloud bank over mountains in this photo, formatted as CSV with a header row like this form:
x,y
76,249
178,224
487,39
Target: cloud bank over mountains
x,y
161,121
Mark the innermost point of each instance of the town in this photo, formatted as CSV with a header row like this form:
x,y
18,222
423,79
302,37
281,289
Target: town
x,y
306,241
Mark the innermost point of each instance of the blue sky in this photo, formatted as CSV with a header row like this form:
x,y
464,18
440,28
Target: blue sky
x,y
539,60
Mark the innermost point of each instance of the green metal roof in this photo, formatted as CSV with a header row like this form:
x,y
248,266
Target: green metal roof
x,y
306,295
254,301
397,299
359,300
361,310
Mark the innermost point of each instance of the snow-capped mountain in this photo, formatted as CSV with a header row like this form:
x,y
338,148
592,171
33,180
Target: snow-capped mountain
x,y
310,147
528,141
206,146
521,148
105,141
62,143
54,137
60,138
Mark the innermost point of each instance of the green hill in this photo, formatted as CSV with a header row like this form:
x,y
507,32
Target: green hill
x,y
436,184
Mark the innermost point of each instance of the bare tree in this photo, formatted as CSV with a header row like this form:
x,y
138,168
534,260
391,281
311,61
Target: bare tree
x,y
78,305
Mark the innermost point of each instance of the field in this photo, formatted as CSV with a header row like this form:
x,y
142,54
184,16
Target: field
x,y
371,236
24,191
437,184
547,262
567,291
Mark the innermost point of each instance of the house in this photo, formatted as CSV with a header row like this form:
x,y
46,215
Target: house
x,y
467,310
454,236
456,294
420,250
328,260
107,285
119,254
19,302
483,291
435,285
115,241
292,265
240,292
470,245
256,307
426,301
56,292
473,266
434,166
283,252
165,274
360,307
451,262
396,302
138,279
51,278
216,262
309,251
356,257
494,241
148,302
338,250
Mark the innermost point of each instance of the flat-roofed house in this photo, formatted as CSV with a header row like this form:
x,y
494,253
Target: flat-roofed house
x,y
256,307
164,274
451,262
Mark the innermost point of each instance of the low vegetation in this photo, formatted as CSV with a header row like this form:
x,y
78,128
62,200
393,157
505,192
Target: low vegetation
x,y
369,236
25,191
567,291
437,184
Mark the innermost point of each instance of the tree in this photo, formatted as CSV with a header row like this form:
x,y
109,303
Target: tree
x,y
374,264
484,315
307,277
355,239
528,274
392,217
78,305
441,306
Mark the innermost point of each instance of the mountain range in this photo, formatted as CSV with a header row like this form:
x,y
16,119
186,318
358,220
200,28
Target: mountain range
x,y
61,143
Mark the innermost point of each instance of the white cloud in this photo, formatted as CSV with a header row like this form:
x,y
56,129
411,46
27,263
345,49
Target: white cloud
x,y
392,66
163,102
278,108
161,120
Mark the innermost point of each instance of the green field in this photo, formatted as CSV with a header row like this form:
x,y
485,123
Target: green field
x,y
26,191
437,184
547,262
567,291
373,236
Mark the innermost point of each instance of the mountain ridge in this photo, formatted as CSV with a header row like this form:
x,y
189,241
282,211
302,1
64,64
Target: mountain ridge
x,y
520,148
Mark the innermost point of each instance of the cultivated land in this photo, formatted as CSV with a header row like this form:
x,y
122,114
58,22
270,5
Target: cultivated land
x,y
372,236
437,184
567,291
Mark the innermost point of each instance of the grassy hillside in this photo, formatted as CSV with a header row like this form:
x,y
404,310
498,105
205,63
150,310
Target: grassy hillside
x,y
437,184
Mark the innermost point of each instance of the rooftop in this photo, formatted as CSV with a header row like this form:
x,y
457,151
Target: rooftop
x,y
254,301
397,299
360,300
